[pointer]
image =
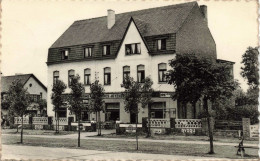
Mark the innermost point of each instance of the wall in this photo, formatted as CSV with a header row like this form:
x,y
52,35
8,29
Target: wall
x,y
195,37
36,88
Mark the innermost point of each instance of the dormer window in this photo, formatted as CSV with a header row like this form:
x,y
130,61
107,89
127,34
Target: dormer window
x,y
106,50
131,49
64,54
88,52
161,44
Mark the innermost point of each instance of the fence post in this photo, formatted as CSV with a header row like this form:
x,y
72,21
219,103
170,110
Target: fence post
x,y
246,127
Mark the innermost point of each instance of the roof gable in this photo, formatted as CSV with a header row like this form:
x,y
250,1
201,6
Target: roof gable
x,y
6,81
154,21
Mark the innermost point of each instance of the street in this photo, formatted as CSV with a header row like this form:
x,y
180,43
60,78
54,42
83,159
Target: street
x,y
19,152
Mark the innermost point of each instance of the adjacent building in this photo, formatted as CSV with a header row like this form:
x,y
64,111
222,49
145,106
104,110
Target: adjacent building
x,y
34,86
138,44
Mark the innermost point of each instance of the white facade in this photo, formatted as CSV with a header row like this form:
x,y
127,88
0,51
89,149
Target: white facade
x,y
116,65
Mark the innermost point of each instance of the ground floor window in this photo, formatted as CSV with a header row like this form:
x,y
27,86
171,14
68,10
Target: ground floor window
x,y
62,112
112,111
158,110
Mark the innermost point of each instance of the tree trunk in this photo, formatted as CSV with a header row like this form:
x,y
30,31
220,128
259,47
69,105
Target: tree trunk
x,y
149,121
79,129
99,124
194,110
205,104
22,131
58,122
136,116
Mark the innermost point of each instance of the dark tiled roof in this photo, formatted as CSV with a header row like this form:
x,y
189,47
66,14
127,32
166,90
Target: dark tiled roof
x,y
154,21
6,81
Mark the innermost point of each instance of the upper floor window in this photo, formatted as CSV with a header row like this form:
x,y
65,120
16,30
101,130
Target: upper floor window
x,y
55,76
161,44
162,72
107,76
87,74
64,54
126,72
71,74
133,49
88,52
106,50
140,73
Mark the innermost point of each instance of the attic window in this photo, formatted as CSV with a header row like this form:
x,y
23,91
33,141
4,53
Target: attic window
x,y
30,85
88,51
161,44
64,54
106,50
133,49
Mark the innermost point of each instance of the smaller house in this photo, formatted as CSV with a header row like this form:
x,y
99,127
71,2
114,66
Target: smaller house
x,y
34,87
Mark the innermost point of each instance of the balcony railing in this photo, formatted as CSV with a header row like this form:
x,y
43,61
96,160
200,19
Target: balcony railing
x,y
187,123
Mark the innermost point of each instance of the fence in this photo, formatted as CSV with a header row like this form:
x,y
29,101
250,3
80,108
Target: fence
x,y
228,125
18,120
62,121
188,123
161,123
40,120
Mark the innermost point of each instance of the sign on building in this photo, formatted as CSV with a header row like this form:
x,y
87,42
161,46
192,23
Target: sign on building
x,y
254,131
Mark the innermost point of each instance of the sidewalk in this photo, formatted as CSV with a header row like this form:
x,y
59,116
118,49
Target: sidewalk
x,y
18,152
94,137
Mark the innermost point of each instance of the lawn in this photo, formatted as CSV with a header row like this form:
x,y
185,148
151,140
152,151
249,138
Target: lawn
x,y
126,146
36,132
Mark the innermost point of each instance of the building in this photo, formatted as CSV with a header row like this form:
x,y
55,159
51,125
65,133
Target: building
x,y
139,44
34,87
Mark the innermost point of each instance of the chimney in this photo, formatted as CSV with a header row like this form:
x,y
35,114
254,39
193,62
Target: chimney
x,y
18,74
111,19
203,9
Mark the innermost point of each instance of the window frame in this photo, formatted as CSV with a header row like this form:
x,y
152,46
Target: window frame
x,y
106,50
84,51
108,76
164,73
157,45
63,52
126,72
141,80
136,49
89,75
69,76
55,78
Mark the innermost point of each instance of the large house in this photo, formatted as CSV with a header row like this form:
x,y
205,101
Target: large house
x,y
34,87
138,44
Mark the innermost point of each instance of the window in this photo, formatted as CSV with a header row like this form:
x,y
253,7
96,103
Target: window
x,y
87,74
70,76
126,72
55,76
140,73
106,50
88,52
162,72
132,49
107,76
161,44
64,54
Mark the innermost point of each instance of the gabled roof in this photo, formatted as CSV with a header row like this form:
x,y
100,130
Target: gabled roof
x,y
6,81
154,21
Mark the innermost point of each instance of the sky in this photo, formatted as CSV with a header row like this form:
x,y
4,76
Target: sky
x,y
30,27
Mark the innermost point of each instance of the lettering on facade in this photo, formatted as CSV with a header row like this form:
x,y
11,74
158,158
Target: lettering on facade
x,y
165,95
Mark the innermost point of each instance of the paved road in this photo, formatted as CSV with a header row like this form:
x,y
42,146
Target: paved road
x,y
19,152
92,134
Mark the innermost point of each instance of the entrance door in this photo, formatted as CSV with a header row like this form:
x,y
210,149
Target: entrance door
x,y
112,111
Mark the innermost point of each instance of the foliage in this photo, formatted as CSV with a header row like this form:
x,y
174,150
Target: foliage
x,y
250,70
146,92
56,97
42,105
96,102
18,98
194,77
75,100
132,95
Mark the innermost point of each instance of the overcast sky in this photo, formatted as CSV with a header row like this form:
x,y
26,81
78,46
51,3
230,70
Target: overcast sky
x,y
29,28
